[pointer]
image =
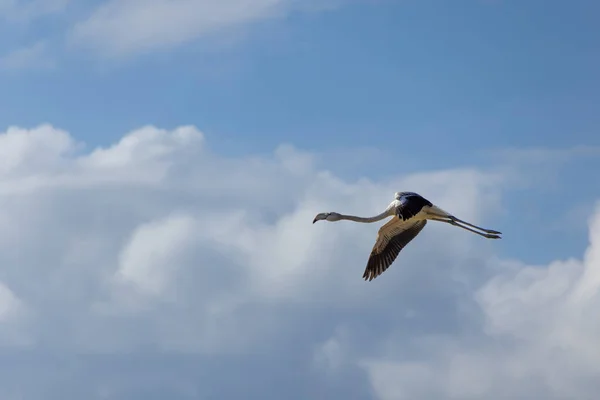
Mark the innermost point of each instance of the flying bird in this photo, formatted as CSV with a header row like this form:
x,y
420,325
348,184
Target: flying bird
x,y
410,213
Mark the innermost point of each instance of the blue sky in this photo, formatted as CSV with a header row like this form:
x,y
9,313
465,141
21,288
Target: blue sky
x,y
496,100
480,74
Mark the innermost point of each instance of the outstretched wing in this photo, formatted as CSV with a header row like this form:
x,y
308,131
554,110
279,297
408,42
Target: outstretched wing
x,y
391,239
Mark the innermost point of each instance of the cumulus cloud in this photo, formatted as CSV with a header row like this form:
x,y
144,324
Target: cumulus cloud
x,y
535,336
120,27
183,273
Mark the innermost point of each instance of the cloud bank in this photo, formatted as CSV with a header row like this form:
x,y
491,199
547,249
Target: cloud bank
x,y
155,267
536,335
119,28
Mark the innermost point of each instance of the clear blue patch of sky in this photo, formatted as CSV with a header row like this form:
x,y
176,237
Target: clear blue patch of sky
x,y
439,78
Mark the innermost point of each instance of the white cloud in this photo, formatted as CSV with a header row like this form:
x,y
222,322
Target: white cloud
x,y
123,27
150,258
157,247
13,319
539,338
24,151
30,57
330,355
9,304
29,10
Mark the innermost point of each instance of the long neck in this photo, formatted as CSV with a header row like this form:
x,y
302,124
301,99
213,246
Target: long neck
x,y
376,218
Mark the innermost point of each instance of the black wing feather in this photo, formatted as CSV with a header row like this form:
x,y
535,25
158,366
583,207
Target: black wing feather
x,y
379,261
411,204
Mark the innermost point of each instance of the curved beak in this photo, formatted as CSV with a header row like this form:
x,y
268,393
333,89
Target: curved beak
x,y
319,217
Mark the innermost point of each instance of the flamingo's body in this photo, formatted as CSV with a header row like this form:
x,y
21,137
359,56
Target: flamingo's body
x,y
410,212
